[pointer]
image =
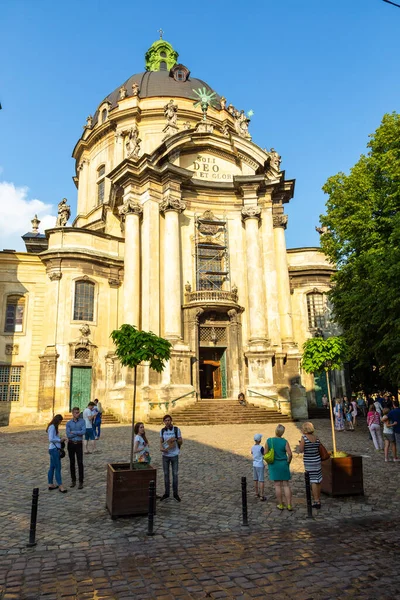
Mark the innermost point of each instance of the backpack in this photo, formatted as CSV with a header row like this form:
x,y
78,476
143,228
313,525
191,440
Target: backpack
x,y
179,444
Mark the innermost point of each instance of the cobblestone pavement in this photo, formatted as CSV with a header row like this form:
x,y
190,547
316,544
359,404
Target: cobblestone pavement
x,y
199,543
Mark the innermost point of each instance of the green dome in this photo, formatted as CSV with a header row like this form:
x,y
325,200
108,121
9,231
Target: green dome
x,y
161,56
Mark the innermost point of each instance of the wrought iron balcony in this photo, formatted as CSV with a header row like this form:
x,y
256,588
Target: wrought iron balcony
x,y
211,297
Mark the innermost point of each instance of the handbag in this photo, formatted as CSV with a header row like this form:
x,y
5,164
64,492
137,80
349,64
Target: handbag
x,y
323,452
61,450
269,457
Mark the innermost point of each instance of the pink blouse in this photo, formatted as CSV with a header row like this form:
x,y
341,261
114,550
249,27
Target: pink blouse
x,y
373,418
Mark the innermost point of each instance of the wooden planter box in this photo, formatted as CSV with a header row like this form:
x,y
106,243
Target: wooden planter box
x,y
342,476
128,490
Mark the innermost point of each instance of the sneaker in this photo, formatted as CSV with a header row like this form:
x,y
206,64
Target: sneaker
x,y
396,460
73,484
263,498
289,507
164,497
177,498
80,486
280,506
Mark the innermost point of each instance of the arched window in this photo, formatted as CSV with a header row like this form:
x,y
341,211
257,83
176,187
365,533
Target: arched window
x,y
101,182
163,54
163,65
84,301
15,307
316,308
103,115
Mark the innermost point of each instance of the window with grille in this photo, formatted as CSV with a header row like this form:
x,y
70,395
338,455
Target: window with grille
x,y
316,308
10,381
82,353
101,184
84,301
212,257
15,307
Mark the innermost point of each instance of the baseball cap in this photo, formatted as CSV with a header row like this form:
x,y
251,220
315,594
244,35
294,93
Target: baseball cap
x,y
258,437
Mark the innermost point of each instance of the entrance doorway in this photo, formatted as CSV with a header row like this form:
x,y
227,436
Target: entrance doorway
x,y
320,387
212,373
81,386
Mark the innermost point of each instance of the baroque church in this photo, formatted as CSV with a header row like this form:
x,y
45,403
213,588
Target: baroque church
x,y
180,230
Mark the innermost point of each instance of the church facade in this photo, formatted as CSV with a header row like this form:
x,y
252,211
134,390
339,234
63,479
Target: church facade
x,y
180,230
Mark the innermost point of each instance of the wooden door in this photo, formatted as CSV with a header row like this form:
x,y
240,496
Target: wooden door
x,y
217,382
81,386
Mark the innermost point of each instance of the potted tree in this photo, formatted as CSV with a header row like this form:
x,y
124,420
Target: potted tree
x,y
128,483
342,473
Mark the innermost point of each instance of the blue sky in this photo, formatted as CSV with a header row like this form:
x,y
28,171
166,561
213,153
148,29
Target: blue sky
x,y
318,75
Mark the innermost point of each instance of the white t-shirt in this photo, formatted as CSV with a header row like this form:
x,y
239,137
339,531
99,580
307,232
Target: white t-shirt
x,y
256,451
166,435
86,414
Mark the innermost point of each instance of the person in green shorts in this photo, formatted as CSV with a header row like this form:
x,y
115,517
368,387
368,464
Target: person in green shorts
x,y
279,471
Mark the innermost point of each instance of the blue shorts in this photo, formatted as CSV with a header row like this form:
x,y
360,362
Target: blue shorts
x,y
258,474
89,434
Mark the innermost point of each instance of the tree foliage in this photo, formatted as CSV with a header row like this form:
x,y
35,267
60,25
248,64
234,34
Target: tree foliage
x,y
324,355
134,346
363,220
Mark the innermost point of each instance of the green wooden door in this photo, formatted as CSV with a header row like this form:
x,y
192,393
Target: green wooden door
x,y
320,387
81,384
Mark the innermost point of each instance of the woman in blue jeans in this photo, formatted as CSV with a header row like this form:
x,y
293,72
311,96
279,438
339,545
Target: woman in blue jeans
x,y
54,452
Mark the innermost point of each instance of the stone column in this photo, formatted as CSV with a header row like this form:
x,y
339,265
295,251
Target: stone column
x,y
270,277
172,207
285,307
131,211
257,308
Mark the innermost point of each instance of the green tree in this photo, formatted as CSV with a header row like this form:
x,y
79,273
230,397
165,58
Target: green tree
x,y
321,355
133,347
363,240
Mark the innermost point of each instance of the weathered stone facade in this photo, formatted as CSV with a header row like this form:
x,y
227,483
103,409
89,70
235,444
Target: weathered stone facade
x,y
180,229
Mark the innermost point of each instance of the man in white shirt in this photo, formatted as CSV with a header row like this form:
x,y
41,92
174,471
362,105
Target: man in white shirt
x,y
170,443
89,414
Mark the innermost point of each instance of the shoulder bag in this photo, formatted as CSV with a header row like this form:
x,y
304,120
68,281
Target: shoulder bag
x,y
323,452
269,456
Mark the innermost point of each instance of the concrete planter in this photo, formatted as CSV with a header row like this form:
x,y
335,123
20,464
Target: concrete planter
x,y
128,490
342,476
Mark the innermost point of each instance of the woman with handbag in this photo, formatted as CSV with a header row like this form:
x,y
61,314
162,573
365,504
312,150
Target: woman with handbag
x,y
278,470
310,446
56,453
141,444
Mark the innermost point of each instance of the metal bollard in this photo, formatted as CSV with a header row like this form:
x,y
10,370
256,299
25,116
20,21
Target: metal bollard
x,y
152,493
308,495
32,530
244,502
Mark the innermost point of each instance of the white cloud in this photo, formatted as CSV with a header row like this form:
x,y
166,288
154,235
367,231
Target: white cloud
x,y
16,213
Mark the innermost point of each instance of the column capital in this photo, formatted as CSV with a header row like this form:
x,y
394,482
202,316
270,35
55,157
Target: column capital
x,y
172,204
280,221
251,212
130,206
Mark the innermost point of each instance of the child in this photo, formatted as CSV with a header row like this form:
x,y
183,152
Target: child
x,y
388,436
258,467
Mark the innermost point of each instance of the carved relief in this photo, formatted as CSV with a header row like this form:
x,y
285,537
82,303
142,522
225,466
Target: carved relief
x,y
130,206
12,349
114,283
251,212
280,221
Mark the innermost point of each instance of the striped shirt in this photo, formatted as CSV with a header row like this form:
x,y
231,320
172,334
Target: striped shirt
x,y
312,460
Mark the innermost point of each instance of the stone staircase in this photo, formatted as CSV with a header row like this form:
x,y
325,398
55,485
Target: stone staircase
x,y
222,412
107,419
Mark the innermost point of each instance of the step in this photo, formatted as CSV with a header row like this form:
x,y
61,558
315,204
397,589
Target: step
x,y
107,418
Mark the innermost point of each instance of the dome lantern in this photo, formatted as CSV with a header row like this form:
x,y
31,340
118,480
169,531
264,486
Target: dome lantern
x,y
161,56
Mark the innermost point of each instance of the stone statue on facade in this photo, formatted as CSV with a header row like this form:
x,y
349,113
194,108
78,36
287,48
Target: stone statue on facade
x,y
225,131
122,93
171,113
133,141
222,102
64,213
322,230
274,160
242,124
89,121
135,89
231,110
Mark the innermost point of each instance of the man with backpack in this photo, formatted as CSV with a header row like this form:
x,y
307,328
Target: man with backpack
x,y
170,443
